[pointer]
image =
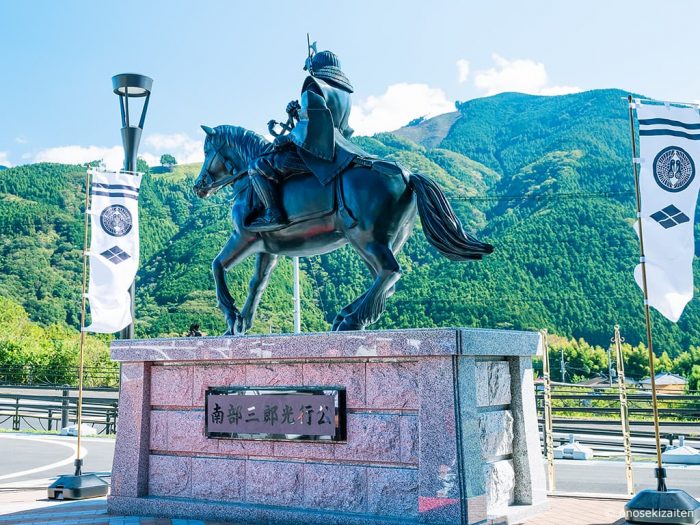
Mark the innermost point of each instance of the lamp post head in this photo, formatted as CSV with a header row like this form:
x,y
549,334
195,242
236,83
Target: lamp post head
x,y
129,86
132,85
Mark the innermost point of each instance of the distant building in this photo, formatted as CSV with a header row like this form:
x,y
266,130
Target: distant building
x,y
604,382
666,383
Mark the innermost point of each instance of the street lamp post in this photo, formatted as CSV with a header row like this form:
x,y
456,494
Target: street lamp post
x,y
131,87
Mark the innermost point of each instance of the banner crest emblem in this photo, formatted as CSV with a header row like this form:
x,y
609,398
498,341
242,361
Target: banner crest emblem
x,y
673,169
116,220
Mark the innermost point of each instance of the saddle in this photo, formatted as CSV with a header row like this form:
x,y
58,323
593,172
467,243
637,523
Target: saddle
x,y
304,198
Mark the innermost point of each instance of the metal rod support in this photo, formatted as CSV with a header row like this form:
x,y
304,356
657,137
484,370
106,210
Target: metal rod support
x,y
126,103
121,108
297,297
144,110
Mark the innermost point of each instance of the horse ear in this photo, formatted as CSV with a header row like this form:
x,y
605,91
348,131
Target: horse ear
x,y
208,130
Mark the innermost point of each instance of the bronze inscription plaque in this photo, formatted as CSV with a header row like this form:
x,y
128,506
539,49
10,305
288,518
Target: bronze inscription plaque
x,y
283,413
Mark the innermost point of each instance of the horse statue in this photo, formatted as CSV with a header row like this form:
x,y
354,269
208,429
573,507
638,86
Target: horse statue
x,y
372,205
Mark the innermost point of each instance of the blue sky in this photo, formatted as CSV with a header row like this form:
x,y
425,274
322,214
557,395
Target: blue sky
x,y
226,62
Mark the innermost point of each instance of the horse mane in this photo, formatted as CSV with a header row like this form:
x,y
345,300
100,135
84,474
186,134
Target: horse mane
x,y
246,143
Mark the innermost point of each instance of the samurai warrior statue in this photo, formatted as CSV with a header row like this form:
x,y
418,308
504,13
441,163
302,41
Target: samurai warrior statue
x,y
317,143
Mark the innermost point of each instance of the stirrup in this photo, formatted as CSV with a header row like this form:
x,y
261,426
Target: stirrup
x,y
267,224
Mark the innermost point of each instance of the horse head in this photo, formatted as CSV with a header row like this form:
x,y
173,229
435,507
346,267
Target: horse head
x,y
228,150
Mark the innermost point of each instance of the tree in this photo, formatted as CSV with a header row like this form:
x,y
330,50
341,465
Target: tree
x,y
694,378
142,166
167,161
636,361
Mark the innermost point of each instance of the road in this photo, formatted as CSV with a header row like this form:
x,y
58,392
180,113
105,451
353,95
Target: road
x,y
608,477
29,460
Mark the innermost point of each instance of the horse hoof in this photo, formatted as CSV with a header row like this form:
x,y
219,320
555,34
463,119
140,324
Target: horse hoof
x,y
345,326
240,327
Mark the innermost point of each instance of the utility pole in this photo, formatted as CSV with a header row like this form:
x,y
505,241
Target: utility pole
x,y
562,367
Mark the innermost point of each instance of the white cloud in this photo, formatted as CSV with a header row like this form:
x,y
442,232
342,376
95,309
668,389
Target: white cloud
x,y
522,75
21,140
399,104
113,157
559,90
5,159
462,70
181,146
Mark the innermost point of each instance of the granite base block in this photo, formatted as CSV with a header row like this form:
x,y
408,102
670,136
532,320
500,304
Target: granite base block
x,y
441,429
493,383
242,514
496,433
500,481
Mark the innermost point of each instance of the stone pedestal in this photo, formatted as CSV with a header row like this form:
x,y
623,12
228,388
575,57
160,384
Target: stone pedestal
x,y
441,428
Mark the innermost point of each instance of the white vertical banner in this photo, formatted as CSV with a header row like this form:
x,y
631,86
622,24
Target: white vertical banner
x,y
669,143
114,248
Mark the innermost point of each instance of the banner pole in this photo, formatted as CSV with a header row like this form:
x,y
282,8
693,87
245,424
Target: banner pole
x,y
78,460
660,471
624,409
548,427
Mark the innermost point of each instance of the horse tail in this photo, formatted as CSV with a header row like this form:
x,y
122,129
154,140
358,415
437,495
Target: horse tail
x,y
441,226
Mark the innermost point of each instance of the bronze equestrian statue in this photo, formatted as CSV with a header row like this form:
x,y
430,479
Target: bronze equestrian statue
x,y
312,191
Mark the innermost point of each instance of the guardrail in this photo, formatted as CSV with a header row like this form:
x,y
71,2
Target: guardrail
x,y
53,412
592,415
42,375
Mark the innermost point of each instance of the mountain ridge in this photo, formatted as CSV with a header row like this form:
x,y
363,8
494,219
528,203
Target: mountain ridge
x,y
547,180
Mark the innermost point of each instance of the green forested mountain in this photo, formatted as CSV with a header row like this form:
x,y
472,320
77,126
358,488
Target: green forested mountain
x,y
547,180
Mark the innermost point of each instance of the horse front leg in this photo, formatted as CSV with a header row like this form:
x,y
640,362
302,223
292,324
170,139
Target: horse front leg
x,y
234,251
264,264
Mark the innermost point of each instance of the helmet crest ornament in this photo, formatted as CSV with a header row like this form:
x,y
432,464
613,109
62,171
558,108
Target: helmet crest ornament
x,y
312,51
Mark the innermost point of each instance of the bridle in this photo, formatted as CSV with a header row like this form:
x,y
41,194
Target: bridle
x,y
230,179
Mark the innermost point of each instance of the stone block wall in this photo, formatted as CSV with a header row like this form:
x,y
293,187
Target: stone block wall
x,y
375,471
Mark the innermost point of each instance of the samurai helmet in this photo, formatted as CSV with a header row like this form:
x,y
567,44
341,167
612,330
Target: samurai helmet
x,y
326,66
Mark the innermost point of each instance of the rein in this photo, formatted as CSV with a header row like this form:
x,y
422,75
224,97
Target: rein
x,y
233,177
230,179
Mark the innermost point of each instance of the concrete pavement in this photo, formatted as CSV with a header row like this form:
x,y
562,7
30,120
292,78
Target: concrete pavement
x,y
32,508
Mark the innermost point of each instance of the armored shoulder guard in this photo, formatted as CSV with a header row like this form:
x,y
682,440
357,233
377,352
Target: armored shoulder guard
x,y
314,132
